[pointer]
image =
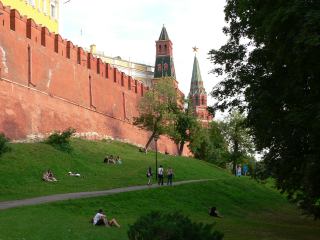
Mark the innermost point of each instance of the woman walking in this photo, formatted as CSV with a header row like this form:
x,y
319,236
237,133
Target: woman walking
x,y
149,175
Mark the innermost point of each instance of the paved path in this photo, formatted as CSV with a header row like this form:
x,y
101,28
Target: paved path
x,y
67,196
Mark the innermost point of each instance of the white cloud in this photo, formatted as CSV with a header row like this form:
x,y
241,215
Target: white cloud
x,y
129,29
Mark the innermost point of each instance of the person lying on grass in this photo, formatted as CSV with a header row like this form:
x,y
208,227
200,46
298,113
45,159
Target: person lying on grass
x,y
48,176
100,219
74,174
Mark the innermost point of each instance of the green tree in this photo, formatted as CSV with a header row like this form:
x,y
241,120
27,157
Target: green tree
x,y
238,138
172,226
218,145
61,140
272,70
3,144
209,144
156,108
184,125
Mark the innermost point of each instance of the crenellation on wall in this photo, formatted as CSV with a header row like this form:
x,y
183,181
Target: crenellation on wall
x,y
5,17
36,33
100,67
60,45
69,49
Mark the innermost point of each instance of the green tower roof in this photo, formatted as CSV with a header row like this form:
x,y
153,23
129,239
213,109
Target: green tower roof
x,y
163,35
196,87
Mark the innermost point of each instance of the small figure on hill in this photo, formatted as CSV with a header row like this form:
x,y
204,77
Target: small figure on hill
x,y
100,219
149,175
213,212
238,171
48,176
118,160
74,174
169,176
143,150
109,160
160,175
245,169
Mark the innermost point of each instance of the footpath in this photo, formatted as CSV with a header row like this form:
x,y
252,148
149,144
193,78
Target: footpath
x,y
76,195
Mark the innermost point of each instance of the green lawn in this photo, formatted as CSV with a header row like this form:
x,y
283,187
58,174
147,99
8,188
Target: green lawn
x,y
21,169
250,210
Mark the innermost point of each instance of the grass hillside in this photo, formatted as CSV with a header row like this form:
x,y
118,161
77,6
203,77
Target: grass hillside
x,y
250,210
21,169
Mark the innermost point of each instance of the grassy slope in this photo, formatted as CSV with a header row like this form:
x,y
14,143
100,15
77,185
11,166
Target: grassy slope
x,y
21,169
250,210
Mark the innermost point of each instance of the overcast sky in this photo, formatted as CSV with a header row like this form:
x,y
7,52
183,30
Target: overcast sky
x,y
129,29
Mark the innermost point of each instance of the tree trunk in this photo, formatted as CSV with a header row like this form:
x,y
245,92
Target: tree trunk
x,y
180,149
149,141
235,156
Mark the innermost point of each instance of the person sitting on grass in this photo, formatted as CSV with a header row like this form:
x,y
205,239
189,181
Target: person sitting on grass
x,y
213,212
118,160
48,176
100,219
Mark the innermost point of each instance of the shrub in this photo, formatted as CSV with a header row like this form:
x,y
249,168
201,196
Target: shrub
x,y
3,144
61,140
175,226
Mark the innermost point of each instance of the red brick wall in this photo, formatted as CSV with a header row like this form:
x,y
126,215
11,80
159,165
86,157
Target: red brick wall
x,y
48,83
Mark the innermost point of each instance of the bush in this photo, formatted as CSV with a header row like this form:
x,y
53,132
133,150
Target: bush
x,y
61,140
3,144
175,226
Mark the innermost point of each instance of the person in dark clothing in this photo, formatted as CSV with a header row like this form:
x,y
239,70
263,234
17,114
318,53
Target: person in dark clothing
x,y
149,175
213,212
169,176
160,175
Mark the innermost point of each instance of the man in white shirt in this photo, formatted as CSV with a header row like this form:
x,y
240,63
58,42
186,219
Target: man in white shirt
x,y
160,175
101,219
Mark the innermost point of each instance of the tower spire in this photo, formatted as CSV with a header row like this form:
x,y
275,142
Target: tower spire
x,y
197,94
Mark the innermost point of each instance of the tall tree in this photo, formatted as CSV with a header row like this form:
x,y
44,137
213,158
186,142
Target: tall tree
x,y
238,137
184,125
271,61
209,144
157,108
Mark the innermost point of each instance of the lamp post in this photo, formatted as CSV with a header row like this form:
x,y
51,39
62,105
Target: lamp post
x,y
156,137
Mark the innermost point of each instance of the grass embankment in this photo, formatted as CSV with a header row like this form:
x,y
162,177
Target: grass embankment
x,y
21,169
250,210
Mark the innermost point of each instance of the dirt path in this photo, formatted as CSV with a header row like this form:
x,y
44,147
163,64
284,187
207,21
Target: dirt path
x,y
67,196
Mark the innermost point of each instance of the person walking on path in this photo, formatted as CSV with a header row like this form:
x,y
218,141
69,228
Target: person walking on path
x,y
169,176
149,175
160,175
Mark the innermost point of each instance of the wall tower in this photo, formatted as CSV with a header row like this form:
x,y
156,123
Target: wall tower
x,y
197,94
164,66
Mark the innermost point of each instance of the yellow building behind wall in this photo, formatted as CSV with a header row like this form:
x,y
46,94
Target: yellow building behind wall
x,y
44,12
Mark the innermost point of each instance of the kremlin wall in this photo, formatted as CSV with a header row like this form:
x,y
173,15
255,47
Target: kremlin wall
x,y
47,83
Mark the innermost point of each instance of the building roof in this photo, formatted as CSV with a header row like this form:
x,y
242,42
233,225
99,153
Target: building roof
x,y
196,79
163,35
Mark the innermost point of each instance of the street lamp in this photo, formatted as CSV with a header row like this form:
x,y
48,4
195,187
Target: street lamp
x,y
156,137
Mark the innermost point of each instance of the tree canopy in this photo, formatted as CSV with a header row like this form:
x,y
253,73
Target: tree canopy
x,y
272,71
157,108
